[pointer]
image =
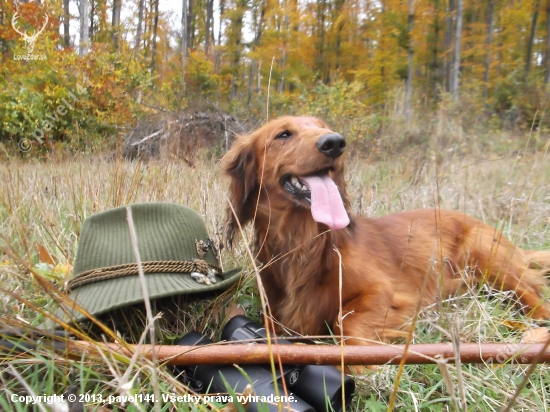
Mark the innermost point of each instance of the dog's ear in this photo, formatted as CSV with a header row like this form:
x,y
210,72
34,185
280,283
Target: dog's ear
x,y
338,178
240,164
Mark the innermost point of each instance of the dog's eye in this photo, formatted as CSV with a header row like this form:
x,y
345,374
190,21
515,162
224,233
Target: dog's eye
x,y
283,135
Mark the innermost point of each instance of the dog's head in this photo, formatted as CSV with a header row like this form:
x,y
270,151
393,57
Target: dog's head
x,y
297,160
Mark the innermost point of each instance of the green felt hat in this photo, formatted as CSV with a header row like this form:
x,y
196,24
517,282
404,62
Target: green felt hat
x,y
176,254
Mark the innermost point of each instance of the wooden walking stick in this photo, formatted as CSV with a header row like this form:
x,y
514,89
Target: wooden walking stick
x,y
224,354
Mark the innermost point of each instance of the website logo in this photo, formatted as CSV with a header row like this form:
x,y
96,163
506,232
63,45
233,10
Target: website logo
x,y
29,39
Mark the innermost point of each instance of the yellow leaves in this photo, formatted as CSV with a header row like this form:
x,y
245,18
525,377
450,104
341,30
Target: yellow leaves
x,y
48,268
56,273
515,325
6,263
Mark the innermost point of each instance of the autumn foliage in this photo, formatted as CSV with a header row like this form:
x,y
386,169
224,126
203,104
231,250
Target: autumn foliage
x,y
332,58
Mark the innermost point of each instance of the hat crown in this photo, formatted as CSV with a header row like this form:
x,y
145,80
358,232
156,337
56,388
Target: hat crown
x,y
173,244
165,232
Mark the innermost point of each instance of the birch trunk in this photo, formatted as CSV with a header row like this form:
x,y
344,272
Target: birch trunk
x,y
139,24
529,55
84,28
458,38
115,23
66,20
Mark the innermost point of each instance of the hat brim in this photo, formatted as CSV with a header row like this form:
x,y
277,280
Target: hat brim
x,y
100,297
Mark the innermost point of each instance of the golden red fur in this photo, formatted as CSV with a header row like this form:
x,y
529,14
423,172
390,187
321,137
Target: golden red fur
x,y
384,260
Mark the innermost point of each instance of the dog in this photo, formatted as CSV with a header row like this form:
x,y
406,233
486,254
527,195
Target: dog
x,y
287,178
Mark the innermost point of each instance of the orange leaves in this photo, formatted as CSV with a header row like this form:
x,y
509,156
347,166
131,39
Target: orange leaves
x,y
44,255
48,267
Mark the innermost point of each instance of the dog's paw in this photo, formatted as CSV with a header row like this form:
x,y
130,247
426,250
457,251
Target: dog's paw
x,y
356,370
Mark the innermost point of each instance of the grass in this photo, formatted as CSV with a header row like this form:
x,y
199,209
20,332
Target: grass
x,y
43,204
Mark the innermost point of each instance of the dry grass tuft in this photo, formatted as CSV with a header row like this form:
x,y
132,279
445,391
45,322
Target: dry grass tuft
x,y
43,204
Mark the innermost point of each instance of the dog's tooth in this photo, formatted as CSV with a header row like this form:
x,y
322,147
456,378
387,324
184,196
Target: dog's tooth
x,y
294,180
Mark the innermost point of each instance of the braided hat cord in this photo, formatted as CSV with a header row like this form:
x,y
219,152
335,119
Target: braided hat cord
x,y
131,269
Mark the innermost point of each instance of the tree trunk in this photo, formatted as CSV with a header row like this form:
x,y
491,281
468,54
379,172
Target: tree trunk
x,y
147,23
66,21
286,34
283,74
218,53
258,86
209,32
84,28
448,47
260,25
408,84
141,6
184,29
529,55
155,27
220,27
436,75
115,23
190,25
92,13
3,43
491,24
321,11
458,38
234,38
339,5
251,81
547,54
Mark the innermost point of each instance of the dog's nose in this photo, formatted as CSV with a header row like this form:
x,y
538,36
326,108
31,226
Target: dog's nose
x,y
331,145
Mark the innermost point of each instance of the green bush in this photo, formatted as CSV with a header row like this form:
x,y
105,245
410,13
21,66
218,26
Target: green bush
x,y
59,99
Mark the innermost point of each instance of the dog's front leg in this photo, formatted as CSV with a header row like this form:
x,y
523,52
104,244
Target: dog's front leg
x,y
370,326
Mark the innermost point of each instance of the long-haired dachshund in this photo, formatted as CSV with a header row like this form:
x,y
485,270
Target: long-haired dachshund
x,y
287,178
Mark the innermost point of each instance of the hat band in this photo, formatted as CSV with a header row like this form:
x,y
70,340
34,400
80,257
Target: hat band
x,y
131,269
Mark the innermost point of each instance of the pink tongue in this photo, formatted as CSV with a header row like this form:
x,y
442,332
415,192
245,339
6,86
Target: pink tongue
x,y
326,203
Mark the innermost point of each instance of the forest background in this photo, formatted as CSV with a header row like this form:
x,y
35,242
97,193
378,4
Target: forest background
x,y
483,65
